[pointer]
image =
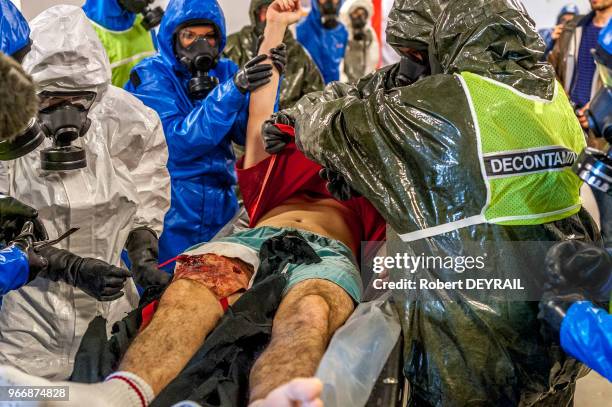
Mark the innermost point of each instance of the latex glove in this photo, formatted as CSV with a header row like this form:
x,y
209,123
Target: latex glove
x,y
279,57
13,215
337,185
253,75
25,242
575,265
97,278
142,247
275,140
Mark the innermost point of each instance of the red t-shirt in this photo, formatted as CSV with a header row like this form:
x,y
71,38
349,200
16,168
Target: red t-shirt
x,y
288,173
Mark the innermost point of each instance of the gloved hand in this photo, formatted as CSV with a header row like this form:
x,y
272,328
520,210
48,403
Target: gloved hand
x,y
275,140
253,75
279,57
578,265
97,278
142,248
25,242
337,185
554,306
13,215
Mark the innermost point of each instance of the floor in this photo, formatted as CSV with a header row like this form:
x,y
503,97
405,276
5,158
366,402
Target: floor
x,y
593,391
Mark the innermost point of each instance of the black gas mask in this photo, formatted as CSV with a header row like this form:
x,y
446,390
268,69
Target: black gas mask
x,y
199,57
260,25
411,69
151,17
359,22
593,166
329,14
62,116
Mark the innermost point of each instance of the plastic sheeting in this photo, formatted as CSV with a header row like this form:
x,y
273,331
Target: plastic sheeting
x,y
300,77
125,185
357,354
408,152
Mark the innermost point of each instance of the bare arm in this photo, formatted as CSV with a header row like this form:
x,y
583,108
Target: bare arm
x,y
280,14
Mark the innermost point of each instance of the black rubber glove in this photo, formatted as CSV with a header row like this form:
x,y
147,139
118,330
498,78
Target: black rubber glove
x,y
574,265
553,308
279,57
25,242
96,277
253,75
337,185
275,140
142,248
13,215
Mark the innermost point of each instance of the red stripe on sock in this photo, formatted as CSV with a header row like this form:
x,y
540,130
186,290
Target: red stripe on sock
x,y
133,386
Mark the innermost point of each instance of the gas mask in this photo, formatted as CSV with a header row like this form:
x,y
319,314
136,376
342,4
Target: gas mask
x,y
358,25
593,166
329,17
62,116
199,57
150,17
260,25
411,70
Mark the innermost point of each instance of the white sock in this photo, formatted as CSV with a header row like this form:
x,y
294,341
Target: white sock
x,y
126,389
123,389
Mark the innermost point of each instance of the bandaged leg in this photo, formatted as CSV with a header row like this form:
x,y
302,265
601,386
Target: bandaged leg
x,y
308,316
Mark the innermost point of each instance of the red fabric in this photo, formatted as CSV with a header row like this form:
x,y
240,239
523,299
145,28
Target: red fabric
x,y
147,314
224,303
279,177
377,22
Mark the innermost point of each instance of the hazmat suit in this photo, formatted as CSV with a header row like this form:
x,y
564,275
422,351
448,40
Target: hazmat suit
x,y
409,25
126,40
423,155
362,51
14,29
326,46
124,187
300,76
199,132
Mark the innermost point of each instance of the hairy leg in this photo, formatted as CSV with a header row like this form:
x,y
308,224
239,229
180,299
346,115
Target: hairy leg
x,y
307,318
187,312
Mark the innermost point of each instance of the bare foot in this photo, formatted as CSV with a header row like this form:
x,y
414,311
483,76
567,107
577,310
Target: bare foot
x,y
298,392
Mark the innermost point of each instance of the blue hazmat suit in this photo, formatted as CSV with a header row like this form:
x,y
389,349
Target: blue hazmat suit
x,y
198,132
586,334
326,47
14,35
14,29
14,269
109,14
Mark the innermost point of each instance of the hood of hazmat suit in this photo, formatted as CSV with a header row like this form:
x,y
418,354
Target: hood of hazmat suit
x,y
410,23
199,133
427,157
124,186
14,29
125,39
325,46
301,75
363,51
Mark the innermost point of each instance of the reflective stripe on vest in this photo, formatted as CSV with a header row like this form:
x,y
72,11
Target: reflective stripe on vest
x,y
526,147
125,49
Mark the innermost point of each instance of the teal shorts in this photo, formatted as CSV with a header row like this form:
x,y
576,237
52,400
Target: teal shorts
x,y
338,264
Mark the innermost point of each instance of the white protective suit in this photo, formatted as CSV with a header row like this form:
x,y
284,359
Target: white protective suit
x,y
125,185
361,57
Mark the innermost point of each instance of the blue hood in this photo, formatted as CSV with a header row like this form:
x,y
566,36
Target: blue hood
x,y
14,29
109,14
182,11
